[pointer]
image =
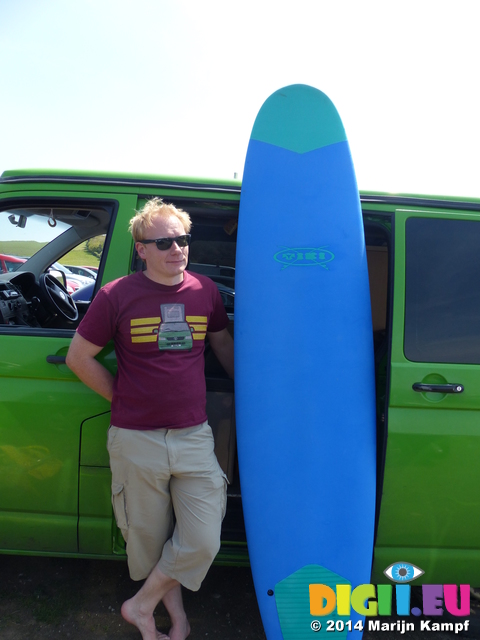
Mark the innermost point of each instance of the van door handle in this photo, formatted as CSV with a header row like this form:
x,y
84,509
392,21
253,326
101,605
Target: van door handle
x,y
421,387
56,359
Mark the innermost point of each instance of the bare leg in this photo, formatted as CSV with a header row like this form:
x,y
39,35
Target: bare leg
x,y
174,605
139,609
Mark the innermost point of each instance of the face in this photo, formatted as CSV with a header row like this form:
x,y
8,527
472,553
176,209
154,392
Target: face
x,y
164,267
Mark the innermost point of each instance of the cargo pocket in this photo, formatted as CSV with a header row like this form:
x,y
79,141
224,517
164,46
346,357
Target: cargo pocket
x,y
111,433
120,506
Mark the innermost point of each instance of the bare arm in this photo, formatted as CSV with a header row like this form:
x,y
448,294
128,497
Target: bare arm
x,y
222,346
81,360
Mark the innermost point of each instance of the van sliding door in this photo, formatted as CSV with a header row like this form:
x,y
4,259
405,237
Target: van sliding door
x,y
430,507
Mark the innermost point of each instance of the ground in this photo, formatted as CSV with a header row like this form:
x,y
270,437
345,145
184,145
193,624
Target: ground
x,y
46,598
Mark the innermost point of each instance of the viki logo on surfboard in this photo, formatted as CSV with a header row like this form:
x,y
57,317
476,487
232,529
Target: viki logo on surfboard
x,y
304,257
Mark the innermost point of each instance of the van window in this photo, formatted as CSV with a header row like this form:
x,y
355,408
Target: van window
x,y
24,232
39,243
442,298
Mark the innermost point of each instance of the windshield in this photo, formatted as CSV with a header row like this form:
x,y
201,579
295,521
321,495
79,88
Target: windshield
x,y
23,232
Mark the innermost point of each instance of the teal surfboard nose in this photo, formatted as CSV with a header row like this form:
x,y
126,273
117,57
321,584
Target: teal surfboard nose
x,y
298,118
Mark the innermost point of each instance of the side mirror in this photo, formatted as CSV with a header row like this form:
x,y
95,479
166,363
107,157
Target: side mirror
x,y
59,275
21,221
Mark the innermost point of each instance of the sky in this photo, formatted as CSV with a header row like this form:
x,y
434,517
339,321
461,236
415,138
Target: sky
x,y
172,87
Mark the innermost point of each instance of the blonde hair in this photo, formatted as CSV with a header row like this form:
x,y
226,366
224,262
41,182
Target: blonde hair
x,y
156,208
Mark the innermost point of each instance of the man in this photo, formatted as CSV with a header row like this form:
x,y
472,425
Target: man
x,y
168,491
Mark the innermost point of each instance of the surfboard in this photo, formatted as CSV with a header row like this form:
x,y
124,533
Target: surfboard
x,y
304,369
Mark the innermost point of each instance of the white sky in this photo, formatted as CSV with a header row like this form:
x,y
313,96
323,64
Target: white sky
x,y
173,86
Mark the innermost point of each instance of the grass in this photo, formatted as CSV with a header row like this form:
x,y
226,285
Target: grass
x,y
80,257
24,249
21,248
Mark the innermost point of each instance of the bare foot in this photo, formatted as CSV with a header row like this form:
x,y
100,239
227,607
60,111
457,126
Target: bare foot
x,y
179,630
144,623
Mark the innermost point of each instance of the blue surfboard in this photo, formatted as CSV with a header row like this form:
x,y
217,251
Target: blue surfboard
x,y
304,372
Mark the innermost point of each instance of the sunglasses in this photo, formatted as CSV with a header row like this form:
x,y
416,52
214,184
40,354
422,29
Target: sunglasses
x,y
163,244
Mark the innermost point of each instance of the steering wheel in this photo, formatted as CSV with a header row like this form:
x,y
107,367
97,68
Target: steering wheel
x,y
57,297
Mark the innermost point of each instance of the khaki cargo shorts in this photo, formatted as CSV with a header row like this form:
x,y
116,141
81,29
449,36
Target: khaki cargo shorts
x,y
169,499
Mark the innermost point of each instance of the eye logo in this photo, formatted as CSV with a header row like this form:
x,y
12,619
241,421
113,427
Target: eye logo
x,y
403,572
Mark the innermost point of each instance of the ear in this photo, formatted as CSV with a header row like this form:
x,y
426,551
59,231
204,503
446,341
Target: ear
x,y
140,247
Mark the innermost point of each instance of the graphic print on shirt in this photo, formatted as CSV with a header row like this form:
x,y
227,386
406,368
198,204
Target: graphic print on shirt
x,y
172,331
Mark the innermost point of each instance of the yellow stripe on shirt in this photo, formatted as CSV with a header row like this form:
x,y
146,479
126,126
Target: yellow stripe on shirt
x,y
138,321
202,319
144,329
151,338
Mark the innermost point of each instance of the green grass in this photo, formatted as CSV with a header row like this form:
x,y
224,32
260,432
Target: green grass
x,y
24,249
80,257
21,248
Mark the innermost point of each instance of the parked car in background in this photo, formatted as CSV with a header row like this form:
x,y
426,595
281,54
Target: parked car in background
x,y
84,293
87,272
10,263
74,281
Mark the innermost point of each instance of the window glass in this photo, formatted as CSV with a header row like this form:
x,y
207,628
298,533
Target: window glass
x,y
41,243
80,266
23,233
442,316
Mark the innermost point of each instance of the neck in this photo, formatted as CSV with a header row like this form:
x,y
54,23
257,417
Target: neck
x,y
167,281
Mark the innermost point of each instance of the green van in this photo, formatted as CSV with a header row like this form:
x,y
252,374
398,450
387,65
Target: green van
x,y
424,264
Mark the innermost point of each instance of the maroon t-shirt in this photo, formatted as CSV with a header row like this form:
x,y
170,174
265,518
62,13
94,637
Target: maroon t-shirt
x,y
159,336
